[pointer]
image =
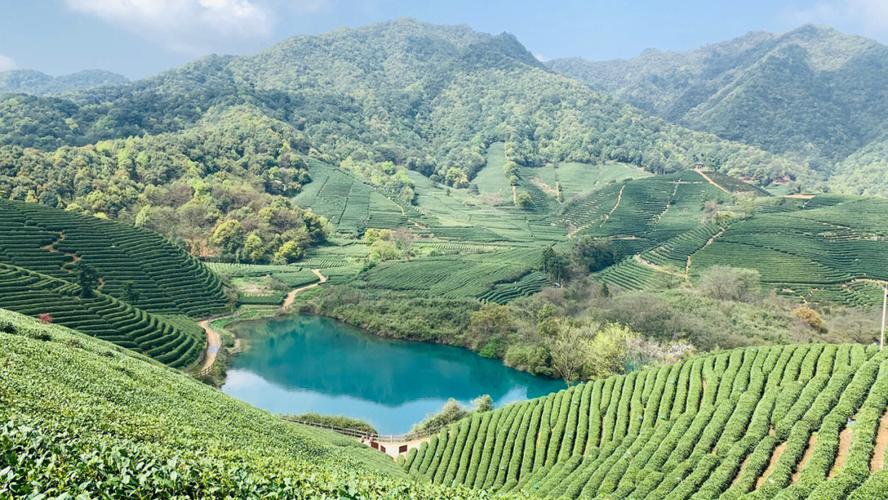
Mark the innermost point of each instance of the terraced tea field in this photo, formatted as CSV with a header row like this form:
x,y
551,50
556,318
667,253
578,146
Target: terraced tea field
x,y
164,278
796,421
80,417
831,251
649,210
497,276
102,316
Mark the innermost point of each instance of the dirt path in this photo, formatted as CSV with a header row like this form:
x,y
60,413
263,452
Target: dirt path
x,y
214,343
514,195
51,248
709,180
655,267
740,470
293,293
709,242
668,203
778,451
809,451
844,445
616,206
878,461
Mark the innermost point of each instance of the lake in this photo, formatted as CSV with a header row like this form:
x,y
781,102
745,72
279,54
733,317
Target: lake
x,y
299,364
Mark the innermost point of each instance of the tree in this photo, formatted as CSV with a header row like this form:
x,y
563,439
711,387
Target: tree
x,y
403,238
569,350
608,351
554,264
88,279
810,317
289,252
730,283
229,236
382,250
483,403
489,326
254,249
524,201
593,255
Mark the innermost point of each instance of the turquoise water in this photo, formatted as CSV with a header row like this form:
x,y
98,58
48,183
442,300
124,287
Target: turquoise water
x,y
305,364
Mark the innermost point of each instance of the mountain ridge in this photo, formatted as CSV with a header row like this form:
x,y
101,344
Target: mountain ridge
x,y
41,84
754,87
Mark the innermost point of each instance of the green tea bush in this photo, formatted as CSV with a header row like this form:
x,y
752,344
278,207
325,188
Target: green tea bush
x,y
704,428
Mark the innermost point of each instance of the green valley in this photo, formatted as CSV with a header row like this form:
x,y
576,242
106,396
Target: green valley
x,y
261,275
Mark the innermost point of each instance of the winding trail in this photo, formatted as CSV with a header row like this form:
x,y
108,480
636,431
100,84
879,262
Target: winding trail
x,y
616,205
709,242
214,343
296,291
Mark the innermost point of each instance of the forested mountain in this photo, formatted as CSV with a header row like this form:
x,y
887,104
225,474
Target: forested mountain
x,y
426,97
812,92
37,83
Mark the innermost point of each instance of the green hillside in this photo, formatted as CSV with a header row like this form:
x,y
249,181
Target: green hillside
x,y
429,98
37,83
133,265
812,91
102,316
82,417
824,248
798,421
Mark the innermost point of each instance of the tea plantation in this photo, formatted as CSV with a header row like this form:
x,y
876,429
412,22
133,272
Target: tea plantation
x,y
79,416
162,277
140,277
101,316
798,421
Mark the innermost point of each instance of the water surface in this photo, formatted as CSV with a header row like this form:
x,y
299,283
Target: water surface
x,y
302,364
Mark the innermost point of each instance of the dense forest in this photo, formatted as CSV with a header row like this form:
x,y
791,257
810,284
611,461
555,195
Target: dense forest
x,y
424,97
813,94
37,83
220,187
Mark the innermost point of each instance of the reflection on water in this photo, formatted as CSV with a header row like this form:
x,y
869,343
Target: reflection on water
x,y
308,363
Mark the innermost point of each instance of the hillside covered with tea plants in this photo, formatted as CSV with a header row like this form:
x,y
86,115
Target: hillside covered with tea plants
x,y
81,416
125,285
795,421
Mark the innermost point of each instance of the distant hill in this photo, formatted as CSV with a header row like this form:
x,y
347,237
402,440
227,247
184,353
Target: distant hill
x,y
36,83
813,91
431,98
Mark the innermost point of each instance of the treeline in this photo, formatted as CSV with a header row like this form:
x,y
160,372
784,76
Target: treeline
x,y
422,97
221,188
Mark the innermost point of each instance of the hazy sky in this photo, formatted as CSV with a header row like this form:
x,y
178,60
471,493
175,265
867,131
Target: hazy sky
x,y
141,37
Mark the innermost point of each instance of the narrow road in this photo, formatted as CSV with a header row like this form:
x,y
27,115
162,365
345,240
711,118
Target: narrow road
x,y
709,180
214,343
293,293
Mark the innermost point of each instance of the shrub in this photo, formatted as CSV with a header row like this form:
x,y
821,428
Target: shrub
x,y
730,283
810,318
